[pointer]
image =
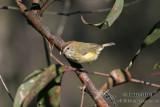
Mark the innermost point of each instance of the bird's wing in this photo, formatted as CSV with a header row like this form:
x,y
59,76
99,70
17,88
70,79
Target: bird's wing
x,y
84,48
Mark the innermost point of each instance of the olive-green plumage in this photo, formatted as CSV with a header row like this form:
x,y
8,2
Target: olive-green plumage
x,y
81,52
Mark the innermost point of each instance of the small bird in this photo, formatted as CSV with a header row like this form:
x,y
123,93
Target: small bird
x,y
80,52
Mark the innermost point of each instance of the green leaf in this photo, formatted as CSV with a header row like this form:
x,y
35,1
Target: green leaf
x,y
154,35
36,82
49,97
112,16
25,87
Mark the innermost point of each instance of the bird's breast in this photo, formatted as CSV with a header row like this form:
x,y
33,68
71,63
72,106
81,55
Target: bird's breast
x,y
89,57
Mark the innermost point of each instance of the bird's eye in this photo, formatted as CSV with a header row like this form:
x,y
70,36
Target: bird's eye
x,y
68,48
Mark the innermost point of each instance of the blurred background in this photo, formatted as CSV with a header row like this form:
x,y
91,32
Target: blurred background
x,y
22,51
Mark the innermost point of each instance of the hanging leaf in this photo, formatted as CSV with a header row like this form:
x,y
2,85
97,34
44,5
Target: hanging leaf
x,y
36,82
154,35
49,97
112,16
25,87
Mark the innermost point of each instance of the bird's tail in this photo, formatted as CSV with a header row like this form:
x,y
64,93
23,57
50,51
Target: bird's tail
x,y
108,44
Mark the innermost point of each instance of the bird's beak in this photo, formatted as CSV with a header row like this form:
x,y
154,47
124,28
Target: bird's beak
x,y
61,52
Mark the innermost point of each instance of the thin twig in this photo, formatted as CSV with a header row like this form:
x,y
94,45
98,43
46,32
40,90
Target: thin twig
x,y
98,73
46,52
9,8
82,97
132,3
75,12
145,82
64,18
6,89
58,61
90,11
45,5
149,97
52,56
